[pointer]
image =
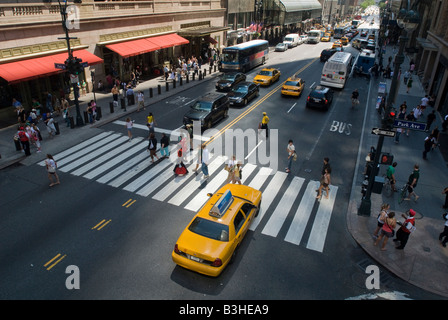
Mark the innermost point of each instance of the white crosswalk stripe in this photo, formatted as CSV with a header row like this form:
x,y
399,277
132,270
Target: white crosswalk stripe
x,y
112,159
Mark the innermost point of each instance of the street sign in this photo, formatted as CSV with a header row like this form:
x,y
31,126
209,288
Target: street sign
x,y
419,126
383,132
59,66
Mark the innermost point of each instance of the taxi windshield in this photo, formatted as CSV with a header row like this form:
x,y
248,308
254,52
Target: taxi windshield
x,y
210,229
265,73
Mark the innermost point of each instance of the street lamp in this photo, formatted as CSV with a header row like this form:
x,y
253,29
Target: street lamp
x,y
408,20
73,65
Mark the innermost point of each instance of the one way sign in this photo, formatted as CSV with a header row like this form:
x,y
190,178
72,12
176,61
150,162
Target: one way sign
x,y
383,132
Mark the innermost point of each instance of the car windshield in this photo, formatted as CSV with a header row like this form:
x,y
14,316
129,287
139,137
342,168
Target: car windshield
x,y
291,83
202,105
210,229
317,94
241,89
228,76
265,73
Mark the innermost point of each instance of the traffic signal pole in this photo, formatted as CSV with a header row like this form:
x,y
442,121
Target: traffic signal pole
x,y
365,207
71,64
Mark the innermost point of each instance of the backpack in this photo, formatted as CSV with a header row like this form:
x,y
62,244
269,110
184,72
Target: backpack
x,y
22,136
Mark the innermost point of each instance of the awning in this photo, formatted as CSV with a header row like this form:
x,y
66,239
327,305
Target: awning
x,y
40,67
301,5
141,46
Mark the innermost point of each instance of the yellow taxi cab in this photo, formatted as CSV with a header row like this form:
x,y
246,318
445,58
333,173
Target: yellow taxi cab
x,y
336,44
326,37
293,87
267,76
211,239
344,41
371,37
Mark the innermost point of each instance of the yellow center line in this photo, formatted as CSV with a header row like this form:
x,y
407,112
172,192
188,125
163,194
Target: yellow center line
x,y
105,224
256,105
56,262
130,204
102,221
124,204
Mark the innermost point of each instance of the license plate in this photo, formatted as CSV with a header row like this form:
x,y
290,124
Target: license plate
x,y
316,100
195,258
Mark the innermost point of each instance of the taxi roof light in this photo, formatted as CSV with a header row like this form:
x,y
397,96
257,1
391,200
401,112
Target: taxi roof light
x,y
221,206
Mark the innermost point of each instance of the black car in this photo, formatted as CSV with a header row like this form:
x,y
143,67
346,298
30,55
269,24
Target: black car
x,y
208,109
327,53
243,92
320,97
229,80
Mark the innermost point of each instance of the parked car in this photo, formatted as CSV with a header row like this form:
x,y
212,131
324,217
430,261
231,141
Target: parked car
x,y
320,97
281,47
228,80
208,109
267,76
243,92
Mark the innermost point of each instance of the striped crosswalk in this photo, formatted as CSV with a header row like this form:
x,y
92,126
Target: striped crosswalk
x,y
288,203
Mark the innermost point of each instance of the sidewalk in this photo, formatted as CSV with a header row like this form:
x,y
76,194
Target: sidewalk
x,y
423,262
70,137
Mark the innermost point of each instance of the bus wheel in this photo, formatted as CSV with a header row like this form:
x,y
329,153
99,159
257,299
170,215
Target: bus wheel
x,y
263,60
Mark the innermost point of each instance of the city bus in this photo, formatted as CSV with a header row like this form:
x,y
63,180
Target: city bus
x,y
244,56
336,70
314,36
338,33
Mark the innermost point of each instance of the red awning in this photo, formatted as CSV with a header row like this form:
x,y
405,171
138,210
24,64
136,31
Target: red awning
x,y
140,46
133,48
40,67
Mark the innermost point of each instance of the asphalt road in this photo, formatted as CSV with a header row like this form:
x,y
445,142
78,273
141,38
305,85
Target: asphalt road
x,y
122,248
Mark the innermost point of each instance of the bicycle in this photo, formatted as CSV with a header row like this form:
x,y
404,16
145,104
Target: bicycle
x,y
403,193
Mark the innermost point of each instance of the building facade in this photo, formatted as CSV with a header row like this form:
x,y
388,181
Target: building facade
x,y
113,38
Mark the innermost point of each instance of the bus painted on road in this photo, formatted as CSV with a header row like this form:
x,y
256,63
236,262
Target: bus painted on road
x,y
244,56
314,36
336,70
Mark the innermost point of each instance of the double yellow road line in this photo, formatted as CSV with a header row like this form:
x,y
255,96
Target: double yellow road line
x,y
255,105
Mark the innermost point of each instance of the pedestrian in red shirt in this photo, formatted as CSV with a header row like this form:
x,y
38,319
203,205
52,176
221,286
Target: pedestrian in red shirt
x,y
407,227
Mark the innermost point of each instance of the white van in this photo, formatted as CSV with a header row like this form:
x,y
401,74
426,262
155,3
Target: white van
x,y
292,40
336,70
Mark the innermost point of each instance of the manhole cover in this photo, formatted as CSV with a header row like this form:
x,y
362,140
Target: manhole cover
x,y
426,249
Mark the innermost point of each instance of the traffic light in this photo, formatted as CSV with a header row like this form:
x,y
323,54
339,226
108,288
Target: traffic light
x,y
389,118
77,68
386,158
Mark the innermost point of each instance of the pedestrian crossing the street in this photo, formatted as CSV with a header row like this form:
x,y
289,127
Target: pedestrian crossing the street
x,y
111,159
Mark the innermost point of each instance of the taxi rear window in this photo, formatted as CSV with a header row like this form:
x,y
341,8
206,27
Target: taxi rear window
x,y
210,229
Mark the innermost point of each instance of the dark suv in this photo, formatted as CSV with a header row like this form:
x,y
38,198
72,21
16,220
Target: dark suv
x,y
320,97
327,53
208,109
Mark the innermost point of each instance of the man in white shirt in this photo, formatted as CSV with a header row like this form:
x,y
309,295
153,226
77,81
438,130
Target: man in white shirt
x,y
205,158
140,101
291,151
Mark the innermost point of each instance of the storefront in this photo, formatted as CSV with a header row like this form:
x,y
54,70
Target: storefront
x,y
202,38
33,78
143,51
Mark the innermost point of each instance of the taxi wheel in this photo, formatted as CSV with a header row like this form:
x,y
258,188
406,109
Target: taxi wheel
x,y
232,259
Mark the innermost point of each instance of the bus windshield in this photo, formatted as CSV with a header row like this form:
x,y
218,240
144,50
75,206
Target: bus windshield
x,y
230,56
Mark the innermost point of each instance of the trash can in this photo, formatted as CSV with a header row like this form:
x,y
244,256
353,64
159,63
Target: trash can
x,y
378,184
111,107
